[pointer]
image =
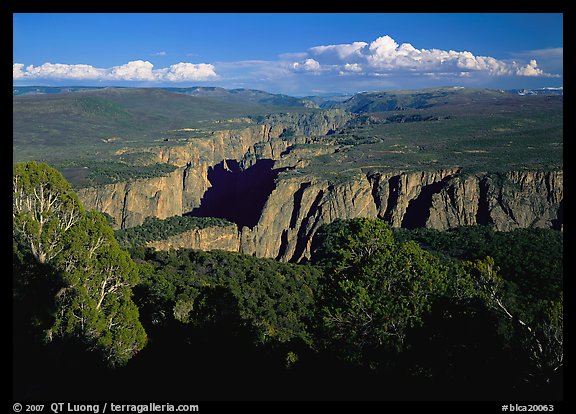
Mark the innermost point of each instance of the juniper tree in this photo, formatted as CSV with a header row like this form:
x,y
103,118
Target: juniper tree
x,y
93,302
375,289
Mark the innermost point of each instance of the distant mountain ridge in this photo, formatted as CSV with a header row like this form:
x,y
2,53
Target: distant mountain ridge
x,y
41,90
540,91
350,102
418,99
250,96
246,95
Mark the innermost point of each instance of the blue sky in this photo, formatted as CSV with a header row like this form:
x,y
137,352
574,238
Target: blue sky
x,y
297,54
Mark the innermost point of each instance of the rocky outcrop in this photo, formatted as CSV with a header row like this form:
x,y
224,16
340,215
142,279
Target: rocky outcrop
x,y
297,208
209,238
401,198
262,138
129,203
457,204
297,204
447,198
315,123
524,199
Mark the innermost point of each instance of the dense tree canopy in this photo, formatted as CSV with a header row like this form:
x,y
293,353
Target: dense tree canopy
x,y
274,301
382,292
156,229
44,208
530,260
375,289
541,336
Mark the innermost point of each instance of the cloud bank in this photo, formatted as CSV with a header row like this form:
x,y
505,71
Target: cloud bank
x,y
385,56
359,65
137,70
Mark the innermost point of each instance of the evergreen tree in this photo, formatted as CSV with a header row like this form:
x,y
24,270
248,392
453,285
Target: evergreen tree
x,y
93,301
542,337
375,289
44,208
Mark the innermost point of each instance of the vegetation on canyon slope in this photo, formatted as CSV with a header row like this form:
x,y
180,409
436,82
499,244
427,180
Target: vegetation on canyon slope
x,y
451,313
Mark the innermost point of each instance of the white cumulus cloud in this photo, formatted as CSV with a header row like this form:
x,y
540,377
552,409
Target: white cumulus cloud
x,y
531,69
17,72
385,55
309,65
183,71
353,67
384,49
62,71
137,70
342,51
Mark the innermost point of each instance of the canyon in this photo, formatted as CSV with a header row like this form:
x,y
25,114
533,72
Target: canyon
x,y
256,177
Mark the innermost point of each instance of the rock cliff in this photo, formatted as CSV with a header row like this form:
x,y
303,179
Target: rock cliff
x,y
297,204
129,203
297,208
209,238
439,199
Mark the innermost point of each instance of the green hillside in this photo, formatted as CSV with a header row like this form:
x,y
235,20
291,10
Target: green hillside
x,y
245,96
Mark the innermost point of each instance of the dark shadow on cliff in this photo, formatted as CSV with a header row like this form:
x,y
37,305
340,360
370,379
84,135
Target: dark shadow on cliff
x,y
237,195
418,210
